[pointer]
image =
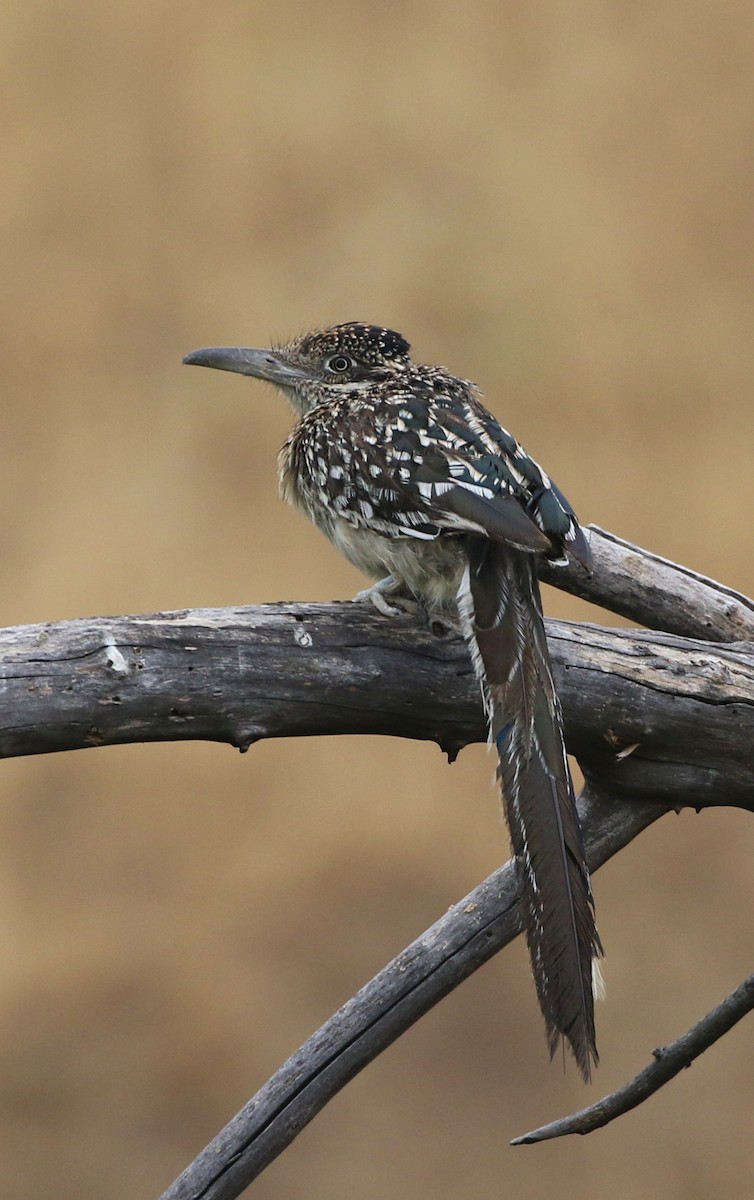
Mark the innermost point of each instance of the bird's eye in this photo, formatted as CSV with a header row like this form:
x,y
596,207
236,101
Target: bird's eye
x,y
339,363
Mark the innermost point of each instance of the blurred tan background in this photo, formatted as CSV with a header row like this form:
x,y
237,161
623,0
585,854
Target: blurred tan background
x,y
553,199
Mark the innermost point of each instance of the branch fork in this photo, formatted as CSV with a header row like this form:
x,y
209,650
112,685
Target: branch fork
x,y
657,720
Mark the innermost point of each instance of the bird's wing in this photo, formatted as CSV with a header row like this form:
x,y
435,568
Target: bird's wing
x,y
447,466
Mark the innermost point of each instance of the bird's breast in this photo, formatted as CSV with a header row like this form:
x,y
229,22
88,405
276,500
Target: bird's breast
x,y
430,567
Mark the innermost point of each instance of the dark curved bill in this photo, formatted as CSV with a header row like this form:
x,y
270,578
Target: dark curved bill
x,y
262,364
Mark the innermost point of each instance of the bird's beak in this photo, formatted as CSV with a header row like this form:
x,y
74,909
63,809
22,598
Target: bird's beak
x,y
263,364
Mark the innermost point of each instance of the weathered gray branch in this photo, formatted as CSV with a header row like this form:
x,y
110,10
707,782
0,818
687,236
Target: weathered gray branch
x,y
655,592
452,949
237,675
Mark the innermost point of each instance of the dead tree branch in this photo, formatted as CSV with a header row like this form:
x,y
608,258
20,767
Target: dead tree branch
x,y
238,675
453,948
655,592
647,715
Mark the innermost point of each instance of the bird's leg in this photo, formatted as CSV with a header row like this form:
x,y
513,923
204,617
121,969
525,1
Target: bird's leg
x,y
442,620
401,600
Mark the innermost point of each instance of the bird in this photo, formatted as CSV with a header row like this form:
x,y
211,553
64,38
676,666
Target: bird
x,y
410,476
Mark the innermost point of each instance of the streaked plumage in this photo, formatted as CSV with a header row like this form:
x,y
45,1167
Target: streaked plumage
x,y
409,475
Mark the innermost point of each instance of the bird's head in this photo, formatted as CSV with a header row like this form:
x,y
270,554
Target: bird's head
x,y
319,365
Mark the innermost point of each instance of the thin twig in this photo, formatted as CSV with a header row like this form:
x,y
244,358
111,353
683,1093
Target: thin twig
x,y
669,1061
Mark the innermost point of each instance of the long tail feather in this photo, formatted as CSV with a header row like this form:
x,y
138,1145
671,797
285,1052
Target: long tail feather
x,y
501,615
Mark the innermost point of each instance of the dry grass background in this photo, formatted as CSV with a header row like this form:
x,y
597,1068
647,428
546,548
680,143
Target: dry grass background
x,y
555,200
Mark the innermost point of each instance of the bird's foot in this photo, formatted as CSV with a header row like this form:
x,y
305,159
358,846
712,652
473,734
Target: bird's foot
x,y
400,601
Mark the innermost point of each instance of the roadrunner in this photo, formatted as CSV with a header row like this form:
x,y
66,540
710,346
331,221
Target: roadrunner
x,y
410,476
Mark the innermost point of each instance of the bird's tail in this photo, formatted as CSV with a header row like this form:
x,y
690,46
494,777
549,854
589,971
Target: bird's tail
x,y
501,614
